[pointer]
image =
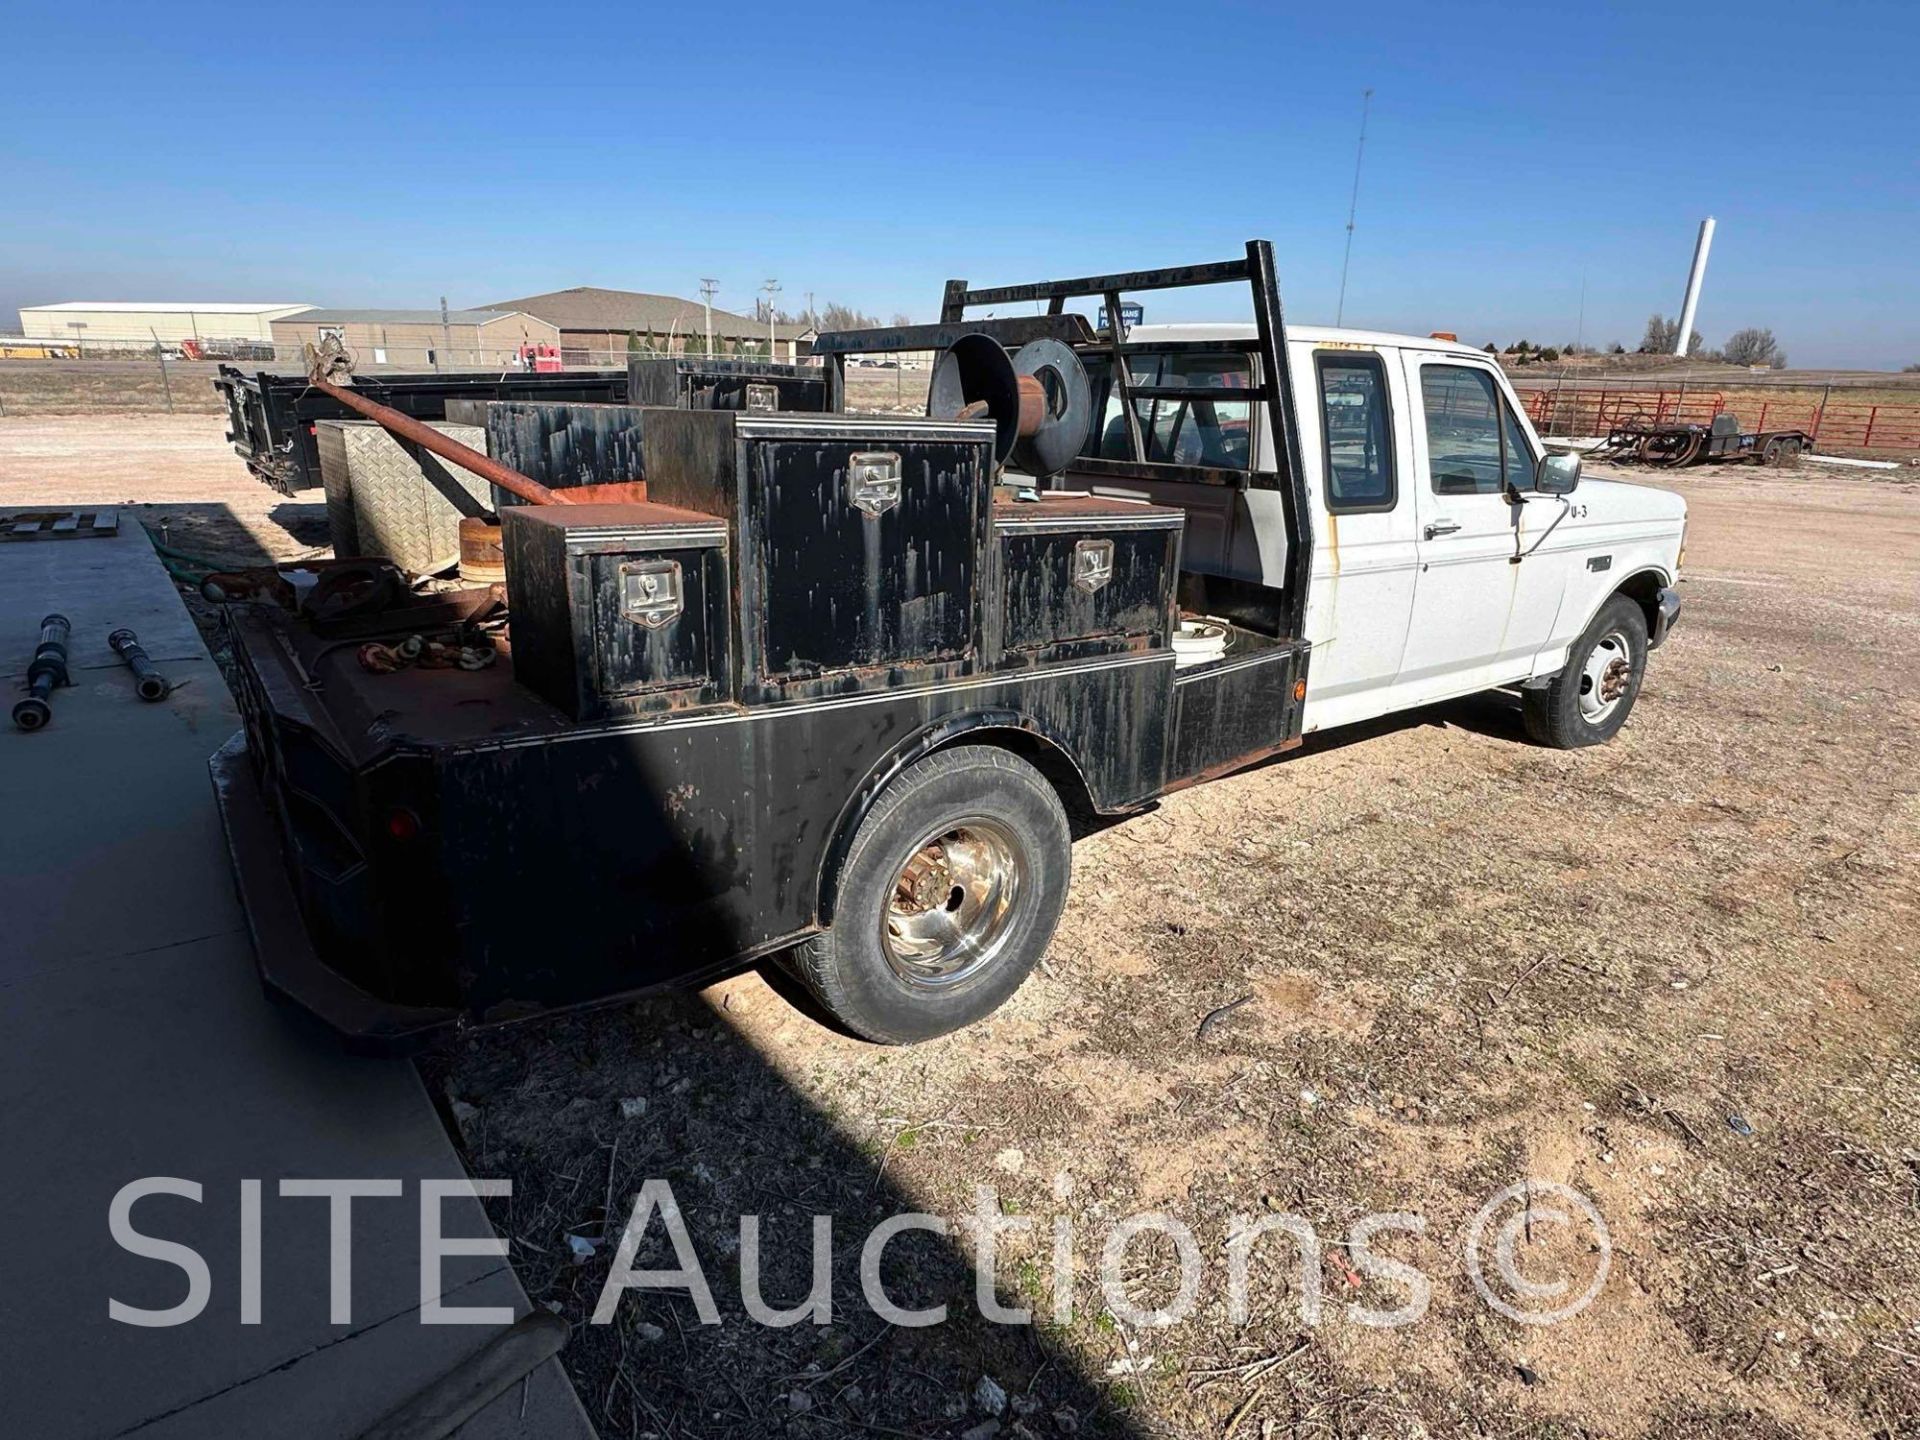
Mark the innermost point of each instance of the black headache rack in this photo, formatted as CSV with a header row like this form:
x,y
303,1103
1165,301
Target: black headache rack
x,y
701,696
1281,612
270,418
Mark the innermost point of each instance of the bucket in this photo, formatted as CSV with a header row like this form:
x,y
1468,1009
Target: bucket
x,y
1197,641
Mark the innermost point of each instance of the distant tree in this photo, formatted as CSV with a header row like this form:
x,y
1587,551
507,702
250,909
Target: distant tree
x,y
633,342
900,317
835,316
1910,369
1491,348
1617,349
1755,346
1520,347
1549,354
1661,335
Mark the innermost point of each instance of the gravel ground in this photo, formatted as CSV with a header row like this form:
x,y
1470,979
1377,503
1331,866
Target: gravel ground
x,y
1677,974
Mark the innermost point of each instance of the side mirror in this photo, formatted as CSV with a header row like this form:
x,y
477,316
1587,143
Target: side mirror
x,y
1557,474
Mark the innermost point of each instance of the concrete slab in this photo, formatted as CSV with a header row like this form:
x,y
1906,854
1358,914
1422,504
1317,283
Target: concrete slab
x,y
101,584
113,843
135,1041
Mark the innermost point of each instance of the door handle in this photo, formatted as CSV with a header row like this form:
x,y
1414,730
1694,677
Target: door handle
x,y
1441,527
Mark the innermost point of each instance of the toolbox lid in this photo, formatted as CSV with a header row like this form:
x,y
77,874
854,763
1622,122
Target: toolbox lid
x,y
646,517
1083,511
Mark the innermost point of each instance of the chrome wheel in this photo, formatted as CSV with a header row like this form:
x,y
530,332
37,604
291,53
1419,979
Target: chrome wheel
x,y
1606,677
951,908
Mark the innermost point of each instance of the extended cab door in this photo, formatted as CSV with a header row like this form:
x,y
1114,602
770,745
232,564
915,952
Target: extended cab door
x,y
1481,606
1352,414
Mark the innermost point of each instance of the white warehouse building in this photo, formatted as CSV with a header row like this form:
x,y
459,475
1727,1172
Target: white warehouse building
x,y
117,323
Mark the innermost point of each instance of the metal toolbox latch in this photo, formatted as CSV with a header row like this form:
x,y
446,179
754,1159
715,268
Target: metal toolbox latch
x,y
873,480
1092,564
650,592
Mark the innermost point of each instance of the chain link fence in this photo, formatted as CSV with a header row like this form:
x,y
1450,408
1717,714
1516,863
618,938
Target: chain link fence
x,y
120,376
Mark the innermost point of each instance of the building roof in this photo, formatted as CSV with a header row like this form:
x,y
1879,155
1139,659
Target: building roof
x,y
181,307
402,317
588,307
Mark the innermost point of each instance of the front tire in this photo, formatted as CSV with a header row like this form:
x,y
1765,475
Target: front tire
x,y
949,894
1588,701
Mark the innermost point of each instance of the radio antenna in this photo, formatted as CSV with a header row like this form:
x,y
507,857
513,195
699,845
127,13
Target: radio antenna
x,y
1353,204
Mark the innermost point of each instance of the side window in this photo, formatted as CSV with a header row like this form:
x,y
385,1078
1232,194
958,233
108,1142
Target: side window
x,y
1463,430
1475,443
1175,430
1356,432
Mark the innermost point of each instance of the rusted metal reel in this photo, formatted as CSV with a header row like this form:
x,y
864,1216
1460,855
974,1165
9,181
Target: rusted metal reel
x,y
1037,398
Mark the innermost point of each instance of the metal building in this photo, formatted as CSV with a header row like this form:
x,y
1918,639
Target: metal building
x,y
419,339
597,325
123,324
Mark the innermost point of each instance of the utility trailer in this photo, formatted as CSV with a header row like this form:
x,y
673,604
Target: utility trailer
x,y
271,418
829,692
1674,445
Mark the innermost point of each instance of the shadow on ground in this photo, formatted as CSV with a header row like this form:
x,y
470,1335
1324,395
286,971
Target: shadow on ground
x,y
669,1090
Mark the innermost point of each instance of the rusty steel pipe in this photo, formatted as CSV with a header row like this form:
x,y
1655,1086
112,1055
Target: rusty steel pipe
x,y
485,466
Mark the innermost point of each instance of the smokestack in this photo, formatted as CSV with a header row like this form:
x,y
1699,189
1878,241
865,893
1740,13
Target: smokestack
x,y
1698,273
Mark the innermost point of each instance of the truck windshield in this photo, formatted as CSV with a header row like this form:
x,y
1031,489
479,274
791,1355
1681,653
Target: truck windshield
x,y
1217,433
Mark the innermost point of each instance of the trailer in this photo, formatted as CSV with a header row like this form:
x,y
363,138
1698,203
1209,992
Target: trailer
x,y
271,417
1672,445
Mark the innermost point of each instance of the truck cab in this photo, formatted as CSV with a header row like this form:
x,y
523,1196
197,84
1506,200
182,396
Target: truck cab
x,y
1440,565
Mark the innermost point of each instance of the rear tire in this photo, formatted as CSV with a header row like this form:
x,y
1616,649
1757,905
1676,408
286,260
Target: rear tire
x,y
949,894
1588,701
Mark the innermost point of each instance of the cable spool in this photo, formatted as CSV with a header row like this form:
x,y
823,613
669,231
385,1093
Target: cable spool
x,y
1037,398
1066,406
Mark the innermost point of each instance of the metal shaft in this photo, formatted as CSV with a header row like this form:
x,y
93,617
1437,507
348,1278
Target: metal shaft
x,y
47,669
428,438
485,466
148,682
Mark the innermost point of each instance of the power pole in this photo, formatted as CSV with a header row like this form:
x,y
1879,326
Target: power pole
x,y
772,287
1353,204
446,334
707,287
161,355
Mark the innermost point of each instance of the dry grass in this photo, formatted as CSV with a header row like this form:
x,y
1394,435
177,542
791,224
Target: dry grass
x,y
91,387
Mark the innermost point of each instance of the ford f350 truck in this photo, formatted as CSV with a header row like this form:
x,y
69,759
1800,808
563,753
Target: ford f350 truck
x,y
830,691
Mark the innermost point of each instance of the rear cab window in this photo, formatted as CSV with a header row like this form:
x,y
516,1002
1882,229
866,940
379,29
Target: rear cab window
x,y
1175,430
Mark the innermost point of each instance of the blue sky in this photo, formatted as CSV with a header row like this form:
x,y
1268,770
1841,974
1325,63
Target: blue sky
x,y
360,155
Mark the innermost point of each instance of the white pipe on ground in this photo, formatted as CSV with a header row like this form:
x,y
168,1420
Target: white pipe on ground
x,y
1856,464
1694,277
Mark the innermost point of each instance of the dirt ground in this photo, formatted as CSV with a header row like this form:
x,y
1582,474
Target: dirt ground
x,y
1677,973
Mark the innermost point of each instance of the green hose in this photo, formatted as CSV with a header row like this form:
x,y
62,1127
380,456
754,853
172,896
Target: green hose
x,y
188,569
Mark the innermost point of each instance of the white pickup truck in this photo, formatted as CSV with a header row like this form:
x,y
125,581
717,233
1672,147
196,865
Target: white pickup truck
x,y
831,691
